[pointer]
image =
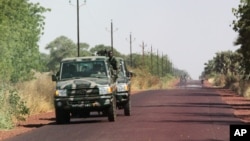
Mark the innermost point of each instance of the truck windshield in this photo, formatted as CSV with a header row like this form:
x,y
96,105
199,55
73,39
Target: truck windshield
x,y
83,69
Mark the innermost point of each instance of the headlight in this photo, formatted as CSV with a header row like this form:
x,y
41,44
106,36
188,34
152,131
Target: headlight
x,y
105,90
122,87
61,92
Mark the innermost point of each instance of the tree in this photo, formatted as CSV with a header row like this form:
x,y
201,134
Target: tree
x,y
242,26
84,47
60,48
63,47
103,47
21,24
227,63
44,59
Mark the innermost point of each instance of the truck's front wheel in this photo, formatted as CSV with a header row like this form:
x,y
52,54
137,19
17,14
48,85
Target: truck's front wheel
x,y
127,108
112,111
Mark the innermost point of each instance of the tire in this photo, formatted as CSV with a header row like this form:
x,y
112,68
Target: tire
x,y
127,108
62,116
112,111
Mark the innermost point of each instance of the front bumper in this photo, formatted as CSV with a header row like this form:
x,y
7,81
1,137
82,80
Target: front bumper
x,y
90,103
122,97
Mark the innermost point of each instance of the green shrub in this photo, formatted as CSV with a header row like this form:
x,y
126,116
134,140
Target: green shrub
x,y
17,106
219,80
230,80
12,108
6,120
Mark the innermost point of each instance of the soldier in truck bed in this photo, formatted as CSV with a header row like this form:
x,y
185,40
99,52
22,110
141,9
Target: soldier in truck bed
x,y
113,62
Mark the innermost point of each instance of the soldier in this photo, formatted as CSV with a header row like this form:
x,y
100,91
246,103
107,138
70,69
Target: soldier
x,y
113,62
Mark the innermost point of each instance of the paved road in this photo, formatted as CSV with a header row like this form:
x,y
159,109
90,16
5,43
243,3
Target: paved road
x,y
190,113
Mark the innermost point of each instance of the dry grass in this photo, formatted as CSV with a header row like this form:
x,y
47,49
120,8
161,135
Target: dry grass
x,y
240,87
247,92
145,81
38,93
245,88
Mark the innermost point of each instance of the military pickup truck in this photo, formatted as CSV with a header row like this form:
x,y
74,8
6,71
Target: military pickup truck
x,y
84,85
123,87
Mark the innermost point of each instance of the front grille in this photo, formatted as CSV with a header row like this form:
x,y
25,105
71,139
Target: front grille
x,y
83,92
74,102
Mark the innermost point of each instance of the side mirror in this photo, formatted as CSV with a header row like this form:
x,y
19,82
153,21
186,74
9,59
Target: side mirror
x,y
130,74
54,77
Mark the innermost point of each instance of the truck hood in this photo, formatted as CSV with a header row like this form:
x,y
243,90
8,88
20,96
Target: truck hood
x,y
82,83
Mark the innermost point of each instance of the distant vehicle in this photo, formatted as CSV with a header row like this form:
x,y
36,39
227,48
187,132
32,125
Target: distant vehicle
x,y
84,85
123,88
202,81
183,80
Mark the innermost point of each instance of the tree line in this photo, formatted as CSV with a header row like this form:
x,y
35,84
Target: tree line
x,y
62,47
234,66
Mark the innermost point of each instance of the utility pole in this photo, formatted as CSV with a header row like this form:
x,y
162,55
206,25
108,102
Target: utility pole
x,y
143,47
162,64
151,59
78,28
171,67
167,66
130,45
157,63
112,38
78,33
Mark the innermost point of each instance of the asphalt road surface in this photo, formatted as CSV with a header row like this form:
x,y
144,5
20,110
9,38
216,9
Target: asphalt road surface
x,y
187,113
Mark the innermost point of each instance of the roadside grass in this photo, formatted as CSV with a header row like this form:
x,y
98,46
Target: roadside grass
x,y
240,86
143,80
38,93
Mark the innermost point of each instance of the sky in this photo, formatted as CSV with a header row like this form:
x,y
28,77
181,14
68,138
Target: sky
x,y
190,32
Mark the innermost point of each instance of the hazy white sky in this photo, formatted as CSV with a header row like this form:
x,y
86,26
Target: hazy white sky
x,y
190,32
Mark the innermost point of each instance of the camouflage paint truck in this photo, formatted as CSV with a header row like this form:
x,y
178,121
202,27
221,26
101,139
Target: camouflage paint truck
x,y
84,85
123,87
